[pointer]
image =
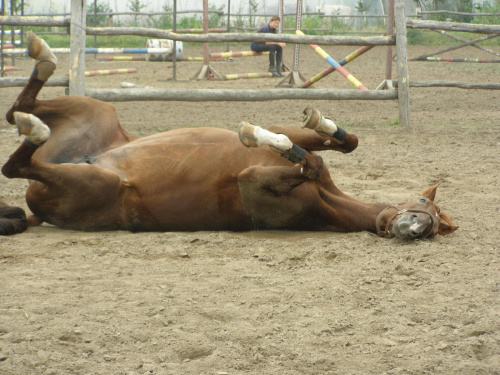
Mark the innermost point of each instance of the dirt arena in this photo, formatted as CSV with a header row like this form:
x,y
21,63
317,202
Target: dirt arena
x,y
276,302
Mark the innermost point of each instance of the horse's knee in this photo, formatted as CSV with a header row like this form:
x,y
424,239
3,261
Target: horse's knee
x,y
313,166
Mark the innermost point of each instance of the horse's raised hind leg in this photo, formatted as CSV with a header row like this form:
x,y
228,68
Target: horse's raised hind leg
x,y
78,196
326,135
36,134
39,50
19,162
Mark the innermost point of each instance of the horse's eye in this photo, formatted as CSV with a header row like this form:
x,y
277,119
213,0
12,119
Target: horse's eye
x,y
423,200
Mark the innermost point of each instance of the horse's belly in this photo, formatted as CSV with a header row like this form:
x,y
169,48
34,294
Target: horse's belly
x,y
187,186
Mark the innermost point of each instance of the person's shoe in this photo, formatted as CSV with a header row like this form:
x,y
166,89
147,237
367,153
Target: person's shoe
x,y
272,69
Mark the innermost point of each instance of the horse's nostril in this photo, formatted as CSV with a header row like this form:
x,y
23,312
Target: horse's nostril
x,y
413,216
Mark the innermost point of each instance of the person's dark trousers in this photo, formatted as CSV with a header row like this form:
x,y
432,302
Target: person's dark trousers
x,y
274,50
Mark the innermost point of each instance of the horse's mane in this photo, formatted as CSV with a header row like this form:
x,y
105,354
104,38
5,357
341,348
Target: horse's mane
x,y
12,219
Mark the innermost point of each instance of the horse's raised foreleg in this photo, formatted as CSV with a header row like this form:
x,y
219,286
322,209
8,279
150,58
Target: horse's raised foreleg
x,y
326,135
39,50
255,136
273,196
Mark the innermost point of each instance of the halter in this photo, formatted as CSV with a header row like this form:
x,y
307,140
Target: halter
x,y
387,233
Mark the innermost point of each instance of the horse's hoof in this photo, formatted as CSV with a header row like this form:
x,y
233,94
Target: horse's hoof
x,y
246,132
39,50
323,126
23,122
312,118
32,127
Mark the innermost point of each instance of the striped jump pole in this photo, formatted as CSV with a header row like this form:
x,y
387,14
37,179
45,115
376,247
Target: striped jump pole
x,y
121,58
106,72
335,64
142,58
196,58
247,75
193,58
9,32
342,62
120,50
452,59
110,71
11,68
226,55
22,51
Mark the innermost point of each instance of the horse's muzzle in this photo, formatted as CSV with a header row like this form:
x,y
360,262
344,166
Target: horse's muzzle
x,y
412,226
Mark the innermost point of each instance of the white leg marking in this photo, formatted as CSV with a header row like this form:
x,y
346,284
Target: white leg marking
x,y
40,132
32,127
279,142
327,126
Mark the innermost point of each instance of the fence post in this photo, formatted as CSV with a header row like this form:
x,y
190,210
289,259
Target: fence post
x,y
77,47
390,31
403,77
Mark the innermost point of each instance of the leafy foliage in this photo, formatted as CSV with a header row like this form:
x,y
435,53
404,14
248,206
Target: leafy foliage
x,y
136,6
253,6
312,24
98,20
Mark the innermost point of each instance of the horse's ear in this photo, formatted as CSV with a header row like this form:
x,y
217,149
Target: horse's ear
x,y
430,192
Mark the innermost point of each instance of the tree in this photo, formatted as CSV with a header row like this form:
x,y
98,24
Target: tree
x,y
95,19
361,7
136,6
253,5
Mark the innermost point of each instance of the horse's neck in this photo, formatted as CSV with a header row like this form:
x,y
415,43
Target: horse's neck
x,y
354,214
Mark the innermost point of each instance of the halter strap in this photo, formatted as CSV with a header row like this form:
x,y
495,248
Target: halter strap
x,y
387,231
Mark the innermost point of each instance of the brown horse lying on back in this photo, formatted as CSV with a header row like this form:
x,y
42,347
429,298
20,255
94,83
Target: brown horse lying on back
x,y
87,173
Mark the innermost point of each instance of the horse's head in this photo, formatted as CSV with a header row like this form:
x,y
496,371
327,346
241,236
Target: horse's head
x,y
413,220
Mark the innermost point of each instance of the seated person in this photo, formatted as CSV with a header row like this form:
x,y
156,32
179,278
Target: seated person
x,y
275,49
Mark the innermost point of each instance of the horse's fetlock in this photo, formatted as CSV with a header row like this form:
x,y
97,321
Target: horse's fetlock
x,y
295,154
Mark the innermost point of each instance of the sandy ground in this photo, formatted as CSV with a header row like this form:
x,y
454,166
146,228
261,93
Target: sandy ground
x,y
276,302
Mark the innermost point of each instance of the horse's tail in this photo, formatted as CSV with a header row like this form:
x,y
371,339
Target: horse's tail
x,y
12,220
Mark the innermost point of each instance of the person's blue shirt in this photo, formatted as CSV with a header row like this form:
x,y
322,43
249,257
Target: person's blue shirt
x,y
264,29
